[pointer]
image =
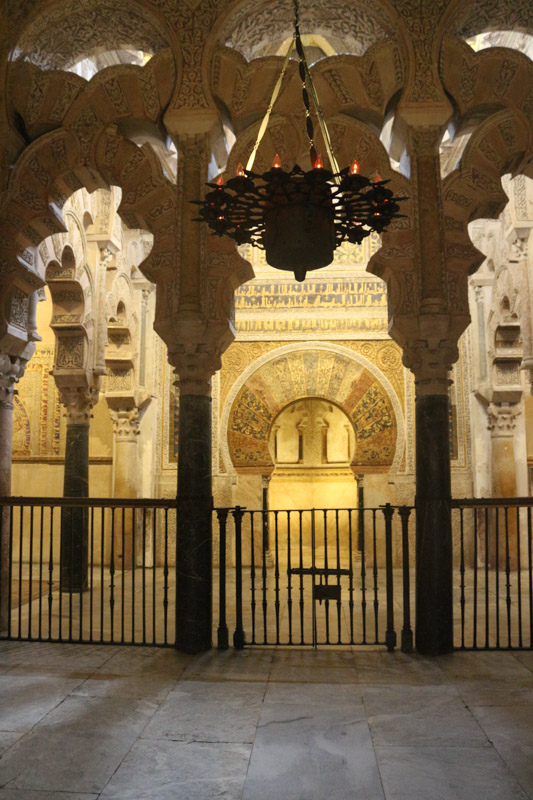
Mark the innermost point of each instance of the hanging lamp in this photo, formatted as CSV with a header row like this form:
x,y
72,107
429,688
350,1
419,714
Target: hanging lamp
x,y
299,218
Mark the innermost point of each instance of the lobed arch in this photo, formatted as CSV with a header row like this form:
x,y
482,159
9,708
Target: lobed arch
x,y
331,372
360,86
485,82
46,100
501,144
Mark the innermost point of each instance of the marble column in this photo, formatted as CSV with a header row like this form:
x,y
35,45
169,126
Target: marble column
x,y
126,474
78,402
11,370
434,597
502,424
194,518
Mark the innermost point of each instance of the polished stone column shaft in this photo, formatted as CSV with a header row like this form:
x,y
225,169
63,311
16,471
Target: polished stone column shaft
x,y
74,520
194,525
126,430
434,615
502,423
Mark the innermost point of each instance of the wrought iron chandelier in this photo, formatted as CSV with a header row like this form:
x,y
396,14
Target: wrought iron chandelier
x,y
299,218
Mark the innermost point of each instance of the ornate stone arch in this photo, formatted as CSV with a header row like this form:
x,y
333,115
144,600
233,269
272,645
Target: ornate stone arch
x,y
501,144
329,371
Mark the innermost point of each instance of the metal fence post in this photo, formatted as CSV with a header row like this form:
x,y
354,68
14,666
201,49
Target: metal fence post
x,y
222,633
407,633
390,634
238,636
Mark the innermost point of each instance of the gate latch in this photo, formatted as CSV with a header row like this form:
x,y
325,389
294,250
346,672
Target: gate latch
x,y
330,592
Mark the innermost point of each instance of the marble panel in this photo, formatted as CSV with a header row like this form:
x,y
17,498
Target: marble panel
x,y
169,770
312,752
208,712
446,773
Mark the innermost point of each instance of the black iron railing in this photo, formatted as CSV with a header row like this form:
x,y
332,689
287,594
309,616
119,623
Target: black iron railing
x,y
88,570
493,577
103,571
314,576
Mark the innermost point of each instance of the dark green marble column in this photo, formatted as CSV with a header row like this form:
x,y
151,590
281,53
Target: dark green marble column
x,y
194,525
74,521
78,401
434,617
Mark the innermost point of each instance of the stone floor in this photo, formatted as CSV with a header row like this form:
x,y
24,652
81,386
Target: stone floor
x,y
87,722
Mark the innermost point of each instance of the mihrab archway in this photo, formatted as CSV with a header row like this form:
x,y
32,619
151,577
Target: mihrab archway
x,y
331,372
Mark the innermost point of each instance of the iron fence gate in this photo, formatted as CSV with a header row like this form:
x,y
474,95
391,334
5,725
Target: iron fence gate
x,y
315,576
103,571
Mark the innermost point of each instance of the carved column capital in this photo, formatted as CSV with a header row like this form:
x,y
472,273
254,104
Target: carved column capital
x,y
126,423
431,363
424,140
195,370
11,371
79,402
502,419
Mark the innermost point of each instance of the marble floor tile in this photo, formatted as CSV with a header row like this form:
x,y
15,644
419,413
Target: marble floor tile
x,y
98,716
7,739
422,716
84,657
525,657
310,753
519,758
313,666
25,794
512,722
77,746
154,687
166,770
63,763
375,668
484,666
244,665
316,694
488,678
208,712
26,699
141,660
446,773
